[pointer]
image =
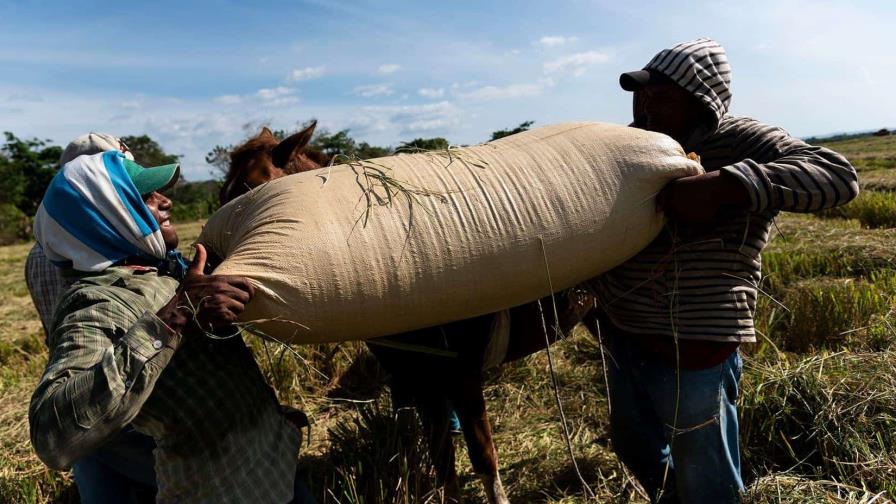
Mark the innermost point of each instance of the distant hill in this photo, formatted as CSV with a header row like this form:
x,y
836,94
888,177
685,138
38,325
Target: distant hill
x,y
865,151
835,137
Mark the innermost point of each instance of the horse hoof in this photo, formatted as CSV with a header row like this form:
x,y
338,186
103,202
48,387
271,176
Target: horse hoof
x,y
451,493
494,489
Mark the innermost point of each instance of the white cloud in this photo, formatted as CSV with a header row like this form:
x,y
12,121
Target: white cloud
x,y
431,92
307,73
549,41
21,97
575,64
130,104
230,99
372,90
282,101
274,93
407,119
388,68
486,93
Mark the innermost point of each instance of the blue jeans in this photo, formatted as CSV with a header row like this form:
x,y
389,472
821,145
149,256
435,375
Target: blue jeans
x,y
678,428
301,493
122,471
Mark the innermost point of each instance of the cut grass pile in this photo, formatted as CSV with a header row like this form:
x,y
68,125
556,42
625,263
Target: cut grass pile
x,y
833,313
805,247
823,417
878,180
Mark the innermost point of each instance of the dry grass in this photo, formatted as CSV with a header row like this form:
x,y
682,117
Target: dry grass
x,y
777,489
878,180
833,313
874,209
867,153
805,247
22,358
831,417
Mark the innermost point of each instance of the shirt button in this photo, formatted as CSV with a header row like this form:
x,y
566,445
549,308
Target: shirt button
x,y
157,344
128,384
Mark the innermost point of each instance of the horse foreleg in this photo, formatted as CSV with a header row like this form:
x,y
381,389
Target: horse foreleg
x,y
434,410
470,406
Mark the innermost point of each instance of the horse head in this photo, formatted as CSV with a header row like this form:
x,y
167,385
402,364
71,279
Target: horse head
x,y
263,158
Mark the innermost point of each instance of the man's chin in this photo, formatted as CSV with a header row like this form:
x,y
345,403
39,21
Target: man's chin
x,y
171,242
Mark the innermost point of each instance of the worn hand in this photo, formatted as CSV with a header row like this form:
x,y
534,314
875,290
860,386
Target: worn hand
x,y
698,199
580,301
211,301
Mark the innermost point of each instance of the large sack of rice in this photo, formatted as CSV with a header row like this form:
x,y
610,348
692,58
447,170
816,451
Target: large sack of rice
x,y
372,248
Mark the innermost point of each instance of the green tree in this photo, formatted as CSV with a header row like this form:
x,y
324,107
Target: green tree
x,y
367,151
26,168
148,152
334,144
341,143
524,126
427,144
219,158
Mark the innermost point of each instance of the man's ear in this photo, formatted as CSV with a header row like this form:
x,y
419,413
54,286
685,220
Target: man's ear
x,y
292,146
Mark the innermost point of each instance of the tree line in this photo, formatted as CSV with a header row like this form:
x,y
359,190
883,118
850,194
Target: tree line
x,y
28,165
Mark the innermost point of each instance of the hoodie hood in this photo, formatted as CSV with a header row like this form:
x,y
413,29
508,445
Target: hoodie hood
x,y
701,67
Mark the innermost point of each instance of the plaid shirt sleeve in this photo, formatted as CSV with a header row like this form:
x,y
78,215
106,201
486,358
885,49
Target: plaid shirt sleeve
x,y
45,284
104,361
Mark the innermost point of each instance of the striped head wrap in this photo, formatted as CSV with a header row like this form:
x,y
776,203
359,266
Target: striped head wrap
x,y
92,216
701,67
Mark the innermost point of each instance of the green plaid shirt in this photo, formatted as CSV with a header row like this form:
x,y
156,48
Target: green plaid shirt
x,y
218,428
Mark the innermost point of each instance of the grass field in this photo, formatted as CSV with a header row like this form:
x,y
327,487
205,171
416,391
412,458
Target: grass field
x,y
818,404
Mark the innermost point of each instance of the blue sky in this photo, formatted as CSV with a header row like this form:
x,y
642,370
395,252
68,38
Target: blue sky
x,y
196,74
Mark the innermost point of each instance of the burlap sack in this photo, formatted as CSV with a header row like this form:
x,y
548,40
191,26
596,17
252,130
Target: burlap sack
x,y
373,248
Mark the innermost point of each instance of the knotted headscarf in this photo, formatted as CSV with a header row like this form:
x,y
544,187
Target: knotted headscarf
x,y
92,217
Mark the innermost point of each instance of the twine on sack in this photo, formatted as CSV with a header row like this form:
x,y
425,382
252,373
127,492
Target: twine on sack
x,y
588,491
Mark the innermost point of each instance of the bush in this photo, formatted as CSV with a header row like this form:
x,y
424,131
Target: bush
x,y
15,226
193,200
874,209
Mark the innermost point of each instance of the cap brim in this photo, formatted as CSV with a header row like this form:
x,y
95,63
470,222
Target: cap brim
x,y
156,178
633,81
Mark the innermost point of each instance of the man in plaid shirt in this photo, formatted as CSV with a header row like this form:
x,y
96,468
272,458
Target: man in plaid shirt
x,y
121,471
131,342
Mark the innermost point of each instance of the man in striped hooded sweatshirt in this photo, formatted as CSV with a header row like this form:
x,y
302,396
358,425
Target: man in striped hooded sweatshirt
x,y
674,315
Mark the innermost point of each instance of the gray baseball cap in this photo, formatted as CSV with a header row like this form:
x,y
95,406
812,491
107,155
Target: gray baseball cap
x,y
93,143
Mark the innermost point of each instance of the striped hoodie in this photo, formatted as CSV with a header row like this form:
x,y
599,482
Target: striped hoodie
x,y
700,282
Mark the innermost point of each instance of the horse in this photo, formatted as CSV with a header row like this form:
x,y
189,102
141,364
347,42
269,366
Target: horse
x,y
437,368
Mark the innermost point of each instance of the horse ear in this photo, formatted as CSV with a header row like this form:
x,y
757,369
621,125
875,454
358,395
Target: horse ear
x,y
292,145
265,133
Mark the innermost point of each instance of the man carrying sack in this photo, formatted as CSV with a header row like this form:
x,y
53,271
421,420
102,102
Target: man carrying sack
x,y
674,315
120,471
137,340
